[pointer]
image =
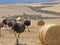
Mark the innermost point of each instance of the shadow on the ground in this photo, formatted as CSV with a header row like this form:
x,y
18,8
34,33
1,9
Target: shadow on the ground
x,y
20,44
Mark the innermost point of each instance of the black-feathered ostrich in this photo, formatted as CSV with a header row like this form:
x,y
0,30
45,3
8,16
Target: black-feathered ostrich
x,y
18,28
27,23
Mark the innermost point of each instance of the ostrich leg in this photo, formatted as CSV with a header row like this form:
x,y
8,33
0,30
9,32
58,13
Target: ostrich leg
x,y
28,29
17,38
0,32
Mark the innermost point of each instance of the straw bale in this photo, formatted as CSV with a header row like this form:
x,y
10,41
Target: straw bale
x,y
40,23
20,19
50,34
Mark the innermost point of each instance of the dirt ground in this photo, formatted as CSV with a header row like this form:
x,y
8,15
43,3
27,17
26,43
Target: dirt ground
x,y
28,38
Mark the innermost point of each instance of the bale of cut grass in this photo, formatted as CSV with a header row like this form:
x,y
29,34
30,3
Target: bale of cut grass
x,y
50,34
20,19
40,23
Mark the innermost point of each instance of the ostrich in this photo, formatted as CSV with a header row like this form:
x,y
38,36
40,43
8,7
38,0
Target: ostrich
x,y
9,22
27,23
4,21
18,28
1,25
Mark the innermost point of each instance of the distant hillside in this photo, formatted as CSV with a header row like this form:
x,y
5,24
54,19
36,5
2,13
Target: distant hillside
x,y
20,9
15,9
47,8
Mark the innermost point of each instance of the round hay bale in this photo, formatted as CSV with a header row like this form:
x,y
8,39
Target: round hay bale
x,y
20,19
40,23
50,34
6,17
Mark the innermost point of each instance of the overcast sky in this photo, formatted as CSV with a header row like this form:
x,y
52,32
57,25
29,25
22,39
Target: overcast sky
x,y
23,1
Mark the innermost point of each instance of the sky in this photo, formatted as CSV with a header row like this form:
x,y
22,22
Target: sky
x,y
23,1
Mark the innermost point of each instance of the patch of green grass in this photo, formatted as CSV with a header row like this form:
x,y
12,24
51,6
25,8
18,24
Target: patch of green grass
x,y
38,9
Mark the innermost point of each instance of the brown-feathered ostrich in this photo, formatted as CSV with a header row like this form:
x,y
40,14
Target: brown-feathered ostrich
x,y
9,22
4,21
1,25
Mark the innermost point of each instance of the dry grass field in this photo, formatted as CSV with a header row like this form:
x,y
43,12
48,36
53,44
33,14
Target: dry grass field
x,y
32,37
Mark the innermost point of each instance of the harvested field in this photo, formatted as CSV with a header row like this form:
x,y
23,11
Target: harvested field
x,y
29,38
40,12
